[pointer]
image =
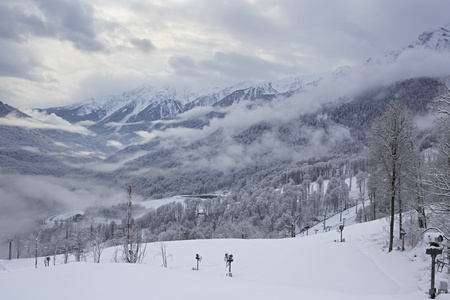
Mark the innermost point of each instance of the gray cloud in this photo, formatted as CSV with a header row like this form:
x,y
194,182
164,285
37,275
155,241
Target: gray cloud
x,y
73,21
15,24
202,43
275,39
227,67
184,65
15,61
145,45
247,67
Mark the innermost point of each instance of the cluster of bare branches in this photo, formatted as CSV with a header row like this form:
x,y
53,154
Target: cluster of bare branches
x,y
439,174
134,250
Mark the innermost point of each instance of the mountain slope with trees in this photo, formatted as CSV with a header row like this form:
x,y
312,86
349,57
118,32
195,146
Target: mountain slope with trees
x,y
290,154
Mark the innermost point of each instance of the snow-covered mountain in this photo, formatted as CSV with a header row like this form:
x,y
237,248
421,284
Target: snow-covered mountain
x,y
438,40
119,117
146,109
6,109
147,103
435,40
271,90
209,98
158,104
141,108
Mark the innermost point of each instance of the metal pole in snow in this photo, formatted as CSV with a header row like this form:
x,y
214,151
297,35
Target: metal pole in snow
x,y
10,241
433,252
36,254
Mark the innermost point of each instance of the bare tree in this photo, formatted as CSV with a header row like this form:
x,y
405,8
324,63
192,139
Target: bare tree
x,y
286,224
97,243
19,243
78,242
439,176
361,183
390,141
420,191
373,190
134,250
162,251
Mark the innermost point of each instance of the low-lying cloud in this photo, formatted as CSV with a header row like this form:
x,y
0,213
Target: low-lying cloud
x,y
27,200
241,116
41,120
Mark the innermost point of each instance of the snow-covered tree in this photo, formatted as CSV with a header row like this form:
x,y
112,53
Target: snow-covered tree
x,y
439,179
78,240
19,243
96,242
162,251
390,144
134,250
361,184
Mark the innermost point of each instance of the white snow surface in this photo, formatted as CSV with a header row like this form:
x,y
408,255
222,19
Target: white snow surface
x,y
308,267
154,204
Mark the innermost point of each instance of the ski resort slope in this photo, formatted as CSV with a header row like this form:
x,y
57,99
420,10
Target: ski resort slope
x,y
309,267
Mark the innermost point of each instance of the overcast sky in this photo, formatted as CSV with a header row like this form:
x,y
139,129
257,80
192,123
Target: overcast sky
x,y
56,52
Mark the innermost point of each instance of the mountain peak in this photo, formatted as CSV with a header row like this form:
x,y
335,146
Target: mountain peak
x,y
438,39
6,109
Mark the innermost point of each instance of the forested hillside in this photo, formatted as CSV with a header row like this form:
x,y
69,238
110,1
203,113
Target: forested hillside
x,y
281,177
335,135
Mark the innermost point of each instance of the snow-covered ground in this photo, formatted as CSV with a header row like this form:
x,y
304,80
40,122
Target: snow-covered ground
x,y
155,203
308,267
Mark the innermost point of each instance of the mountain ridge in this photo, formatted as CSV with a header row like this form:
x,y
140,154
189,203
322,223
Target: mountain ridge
x,y
147,103
435,40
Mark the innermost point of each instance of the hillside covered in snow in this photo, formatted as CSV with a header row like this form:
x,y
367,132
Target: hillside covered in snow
x,y
307,267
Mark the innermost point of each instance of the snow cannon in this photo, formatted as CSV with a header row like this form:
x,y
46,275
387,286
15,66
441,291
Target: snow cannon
x,y
433,239
198,258
229,261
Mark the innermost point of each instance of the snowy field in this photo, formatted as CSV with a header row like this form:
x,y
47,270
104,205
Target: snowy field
x,y
308,267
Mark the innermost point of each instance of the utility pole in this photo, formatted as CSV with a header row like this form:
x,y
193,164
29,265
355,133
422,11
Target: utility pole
x,y
129,214
10,242
36,254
